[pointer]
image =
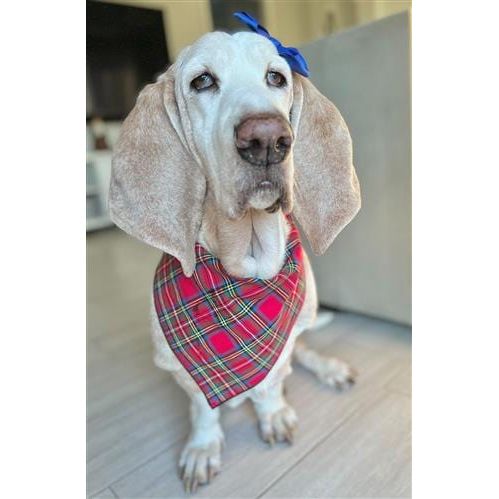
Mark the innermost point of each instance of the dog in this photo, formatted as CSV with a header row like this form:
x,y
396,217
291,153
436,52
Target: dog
x,y
218,152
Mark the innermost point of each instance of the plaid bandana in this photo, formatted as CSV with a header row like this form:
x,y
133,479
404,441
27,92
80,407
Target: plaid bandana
x,y
228,332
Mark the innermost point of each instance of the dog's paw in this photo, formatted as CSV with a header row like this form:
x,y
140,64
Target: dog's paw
x,y
200,461
278,426
336,373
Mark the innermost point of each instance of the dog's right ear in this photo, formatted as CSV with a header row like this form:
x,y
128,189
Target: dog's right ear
x,y
157,189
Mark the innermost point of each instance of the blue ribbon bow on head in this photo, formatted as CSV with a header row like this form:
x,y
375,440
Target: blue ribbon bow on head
x,y
295,60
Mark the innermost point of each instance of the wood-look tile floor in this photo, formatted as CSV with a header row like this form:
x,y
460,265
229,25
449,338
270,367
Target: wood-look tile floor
x,y
352,444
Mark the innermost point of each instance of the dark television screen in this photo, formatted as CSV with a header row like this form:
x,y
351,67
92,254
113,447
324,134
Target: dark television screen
x,y
126,49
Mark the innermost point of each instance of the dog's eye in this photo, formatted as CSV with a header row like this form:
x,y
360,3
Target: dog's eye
x,y
276,79
203,82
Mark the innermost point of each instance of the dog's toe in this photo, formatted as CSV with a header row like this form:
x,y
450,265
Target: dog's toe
x,y
199,464
278,426
336,373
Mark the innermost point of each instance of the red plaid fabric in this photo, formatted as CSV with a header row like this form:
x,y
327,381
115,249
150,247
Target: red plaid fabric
x,y
228,332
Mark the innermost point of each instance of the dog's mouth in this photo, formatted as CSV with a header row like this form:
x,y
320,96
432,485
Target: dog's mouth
x,y
265,185
268,189
265,196
269,193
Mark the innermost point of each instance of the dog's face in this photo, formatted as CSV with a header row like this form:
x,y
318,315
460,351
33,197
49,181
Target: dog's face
x,y
230,119
238,94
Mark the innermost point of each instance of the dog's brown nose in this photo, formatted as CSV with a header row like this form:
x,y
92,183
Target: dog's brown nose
x,y
264,140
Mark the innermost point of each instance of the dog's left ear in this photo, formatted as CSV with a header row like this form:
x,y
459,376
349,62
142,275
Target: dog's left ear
x,y
327,193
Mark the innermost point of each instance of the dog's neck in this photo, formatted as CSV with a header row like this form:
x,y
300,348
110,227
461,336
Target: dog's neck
x,y
252,246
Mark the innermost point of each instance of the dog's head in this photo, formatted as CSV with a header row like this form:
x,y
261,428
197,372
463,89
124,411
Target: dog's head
x,y
230,117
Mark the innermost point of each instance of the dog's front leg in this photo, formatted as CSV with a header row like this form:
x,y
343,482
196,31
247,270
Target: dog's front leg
x,y
200,459
276,418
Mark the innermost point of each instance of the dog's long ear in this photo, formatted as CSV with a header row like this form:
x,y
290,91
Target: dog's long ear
x,y
157,189
327,193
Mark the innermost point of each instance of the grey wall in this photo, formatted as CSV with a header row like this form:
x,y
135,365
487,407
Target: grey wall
x,y
365,71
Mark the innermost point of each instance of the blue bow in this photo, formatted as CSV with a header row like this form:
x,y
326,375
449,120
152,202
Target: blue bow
x,y
295,60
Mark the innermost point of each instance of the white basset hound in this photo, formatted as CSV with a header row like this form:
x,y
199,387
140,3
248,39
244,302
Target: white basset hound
x,y
218,151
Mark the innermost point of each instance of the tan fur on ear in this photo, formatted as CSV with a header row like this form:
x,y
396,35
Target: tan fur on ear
x,y
327,192
157,189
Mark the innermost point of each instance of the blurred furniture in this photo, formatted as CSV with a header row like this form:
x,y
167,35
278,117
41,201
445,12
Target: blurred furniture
x,y
98,176
98,167
126,49
365,71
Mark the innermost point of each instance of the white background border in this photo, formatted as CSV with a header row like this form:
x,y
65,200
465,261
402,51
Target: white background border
x,y
456,184
42,206
455,249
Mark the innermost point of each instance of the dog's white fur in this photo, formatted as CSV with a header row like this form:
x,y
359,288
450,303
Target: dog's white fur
x,y
249,241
